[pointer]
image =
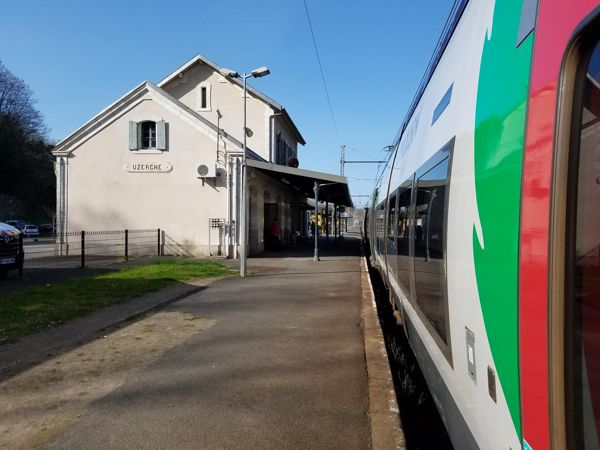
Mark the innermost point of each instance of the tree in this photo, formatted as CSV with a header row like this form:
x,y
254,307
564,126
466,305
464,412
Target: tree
x,y
16,104
27,181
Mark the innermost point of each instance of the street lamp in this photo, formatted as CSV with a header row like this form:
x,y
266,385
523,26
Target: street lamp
x,y
316,188
256,73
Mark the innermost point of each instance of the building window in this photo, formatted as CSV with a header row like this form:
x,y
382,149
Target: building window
x,y
203,100
148,134
283,151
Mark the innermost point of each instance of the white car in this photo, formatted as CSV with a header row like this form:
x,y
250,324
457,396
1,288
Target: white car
x,y
30,231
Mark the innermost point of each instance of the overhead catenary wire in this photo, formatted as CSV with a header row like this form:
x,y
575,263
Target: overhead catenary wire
x,y
312,33
361,152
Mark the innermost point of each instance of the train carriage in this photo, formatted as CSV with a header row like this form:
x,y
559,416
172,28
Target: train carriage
x,y
486,224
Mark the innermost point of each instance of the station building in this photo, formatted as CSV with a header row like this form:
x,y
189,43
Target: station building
x,y
169,156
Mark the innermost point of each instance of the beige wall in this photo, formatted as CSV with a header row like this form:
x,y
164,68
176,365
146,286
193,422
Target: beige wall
x,y
102,195
227,97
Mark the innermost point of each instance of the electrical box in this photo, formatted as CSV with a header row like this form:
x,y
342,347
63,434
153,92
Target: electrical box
x,y
207,170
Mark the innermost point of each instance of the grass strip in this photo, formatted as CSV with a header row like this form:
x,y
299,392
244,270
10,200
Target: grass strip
x,y
47,306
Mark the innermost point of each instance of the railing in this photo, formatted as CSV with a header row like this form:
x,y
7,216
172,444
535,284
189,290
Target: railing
x,y
80,248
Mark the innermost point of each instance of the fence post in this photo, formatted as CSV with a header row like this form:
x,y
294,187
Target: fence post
x,y
158,241
21,255
82,249
126,245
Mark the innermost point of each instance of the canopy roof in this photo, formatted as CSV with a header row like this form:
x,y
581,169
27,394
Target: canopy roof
x,y
334,188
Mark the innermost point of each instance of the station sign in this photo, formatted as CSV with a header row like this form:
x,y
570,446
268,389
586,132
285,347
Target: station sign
x,y
149,167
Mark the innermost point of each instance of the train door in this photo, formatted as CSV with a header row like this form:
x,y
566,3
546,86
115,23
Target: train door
x,y
582,260
559,327
391,247
403,261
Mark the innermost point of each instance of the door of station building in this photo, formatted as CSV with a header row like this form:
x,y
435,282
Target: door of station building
x,y
271,212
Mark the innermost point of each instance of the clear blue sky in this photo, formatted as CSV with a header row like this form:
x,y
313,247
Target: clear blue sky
x,y
80,56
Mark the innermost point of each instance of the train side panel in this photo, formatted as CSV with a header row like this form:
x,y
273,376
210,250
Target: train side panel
x,y
472,113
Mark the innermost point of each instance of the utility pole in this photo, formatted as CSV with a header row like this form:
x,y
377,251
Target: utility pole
x,y
342,159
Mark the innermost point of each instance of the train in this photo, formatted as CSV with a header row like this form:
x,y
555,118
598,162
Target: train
x,y
485,224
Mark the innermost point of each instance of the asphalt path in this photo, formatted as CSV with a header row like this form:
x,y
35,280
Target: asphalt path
x,y
282,367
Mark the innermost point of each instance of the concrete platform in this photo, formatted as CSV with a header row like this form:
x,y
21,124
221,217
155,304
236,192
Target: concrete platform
x,y
285,365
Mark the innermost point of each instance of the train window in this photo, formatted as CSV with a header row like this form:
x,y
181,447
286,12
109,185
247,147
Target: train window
x,y
403,239
430,211
379,221
391,232
582,345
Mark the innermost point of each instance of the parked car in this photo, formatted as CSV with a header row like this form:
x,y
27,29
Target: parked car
x,y
30,231
47,229
11,254
17,223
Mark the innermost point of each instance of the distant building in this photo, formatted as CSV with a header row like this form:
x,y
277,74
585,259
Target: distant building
x,y
168,156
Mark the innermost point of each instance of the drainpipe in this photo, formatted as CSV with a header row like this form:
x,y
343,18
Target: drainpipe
x,y
58,213
229,164
272,135
219,116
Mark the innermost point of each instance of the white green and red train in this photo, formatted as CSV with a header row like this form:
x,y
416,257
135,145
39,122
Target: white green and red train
x,y
486,224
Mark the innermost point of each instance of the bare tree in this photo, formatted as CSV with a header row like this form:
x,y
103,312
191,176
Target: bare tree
x,y
16,105
27,181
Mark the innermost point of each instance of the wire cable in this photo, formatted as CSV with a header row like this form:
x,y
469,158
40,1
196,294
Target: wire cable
x,y
322,75
361,152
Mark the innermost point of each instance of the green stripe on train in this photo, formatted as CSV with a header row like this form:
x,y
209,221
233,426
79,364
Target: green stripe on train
x,y
499,136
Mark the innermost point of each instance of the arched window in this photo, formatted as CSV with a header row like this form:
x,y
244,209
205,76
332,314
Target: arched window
x,y
148,134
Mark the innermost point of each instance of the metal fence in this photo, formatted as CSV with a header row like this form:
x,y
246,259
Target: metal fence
x,y
79,248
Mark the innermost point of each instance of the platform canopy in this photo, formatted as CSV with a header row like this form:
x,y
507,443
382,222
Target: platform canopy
x,y
334,188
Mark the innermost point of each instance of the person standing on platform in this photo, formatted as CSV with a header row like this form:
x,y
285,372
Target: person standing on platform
x,y
276,234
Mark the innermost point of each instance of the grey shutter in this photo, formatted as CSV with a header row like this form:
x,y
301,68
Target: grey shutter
x,y
133,135
161,135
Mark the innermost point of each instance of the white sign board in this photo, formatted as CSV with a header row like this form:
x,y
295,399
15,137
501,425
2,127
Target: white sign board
x,y
149,167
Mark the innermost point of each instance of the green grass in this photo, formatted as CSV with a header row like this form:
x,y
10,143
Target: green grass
x,y
43,307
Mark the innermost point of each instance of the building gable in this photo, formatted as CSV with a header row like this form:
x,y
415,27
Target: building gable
x,y
186,85
144,92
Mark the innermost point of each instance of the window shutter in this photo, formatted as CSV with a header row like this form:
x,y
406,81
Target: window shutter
x,y
161,135
133,135
139,135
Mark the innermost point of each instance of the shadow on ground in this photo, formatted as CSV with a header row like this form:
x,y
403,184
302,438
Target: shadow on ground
x,y
29,351
327,247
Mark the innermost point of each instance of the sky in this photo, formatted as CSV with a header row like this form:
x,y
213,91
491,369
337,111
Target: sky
x,y
80,56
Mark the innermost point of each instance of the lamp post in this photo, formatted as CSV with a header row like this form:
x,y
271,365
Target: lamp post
x,y
256,73
316,188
